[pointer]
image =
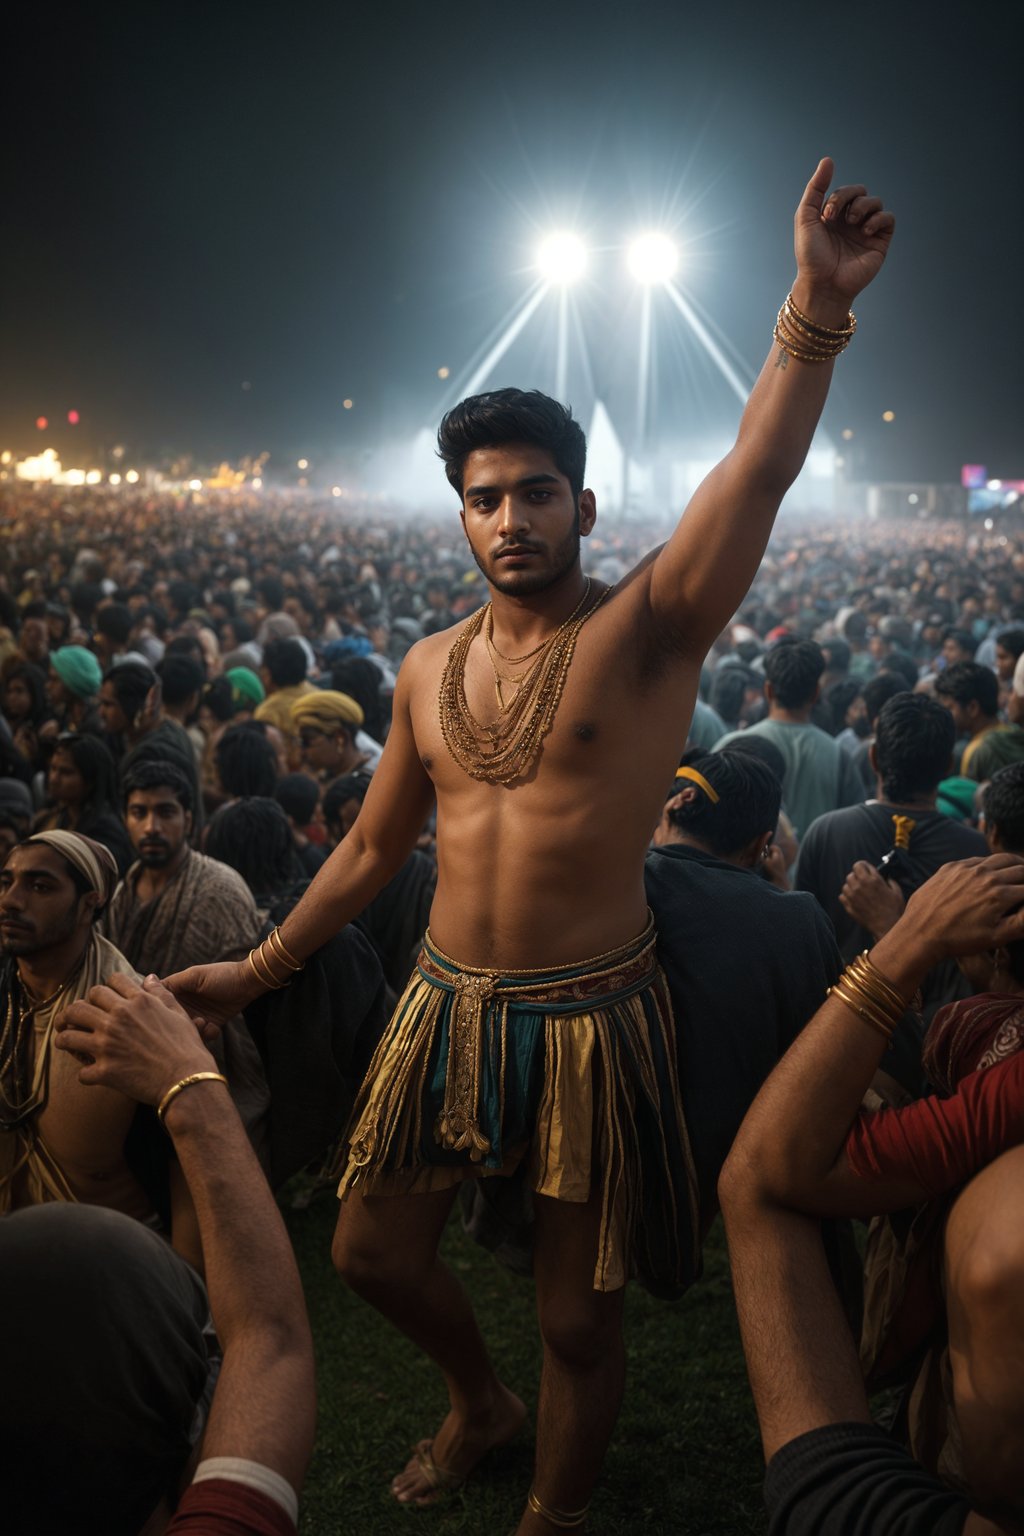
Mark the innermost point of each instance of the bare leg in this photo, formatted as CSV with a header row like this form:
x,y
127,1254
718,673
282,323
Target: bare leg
x,y
985,1299
584,1359
385,1249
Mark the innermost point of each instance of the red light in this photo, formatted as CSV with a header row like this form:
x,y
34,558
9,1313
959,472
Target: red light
x,y
42,423
73,418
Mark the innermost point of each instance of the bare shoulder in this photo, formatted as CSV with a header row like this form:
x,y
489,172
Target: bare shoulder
x,y
427,657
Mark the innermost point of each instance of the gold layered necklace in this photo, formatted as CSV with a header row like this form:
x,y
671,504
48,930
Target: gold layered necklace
x,y
505,749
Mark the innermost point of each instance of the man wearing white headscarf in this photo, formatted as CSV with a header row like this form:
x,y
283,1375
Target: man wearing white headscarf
x,y
58,1140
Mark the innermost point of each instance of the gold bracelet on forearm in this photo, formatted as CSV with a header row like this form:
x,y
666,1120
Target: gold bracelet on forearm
x,y
864,989
186,1082
806,340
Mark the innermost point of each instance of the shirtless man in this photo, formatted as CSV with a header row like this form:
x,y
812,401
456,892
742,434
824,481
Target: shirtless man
x,y
483,1068
59,1140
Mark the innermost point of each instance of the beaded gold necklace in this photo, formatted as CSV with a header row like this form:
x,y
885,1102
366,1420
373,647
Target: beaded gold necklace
x,y
505,749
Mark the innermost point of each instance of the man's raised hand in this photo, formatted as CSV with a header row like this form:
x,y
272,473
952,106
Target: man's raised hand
x,y
133,1038
841,238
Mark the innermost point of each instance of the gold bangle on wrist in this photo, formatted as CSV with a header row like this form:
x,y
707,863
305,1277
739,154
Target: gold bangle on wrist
x,y
816,326
269,980
806,340
186,1082
277,945
870,995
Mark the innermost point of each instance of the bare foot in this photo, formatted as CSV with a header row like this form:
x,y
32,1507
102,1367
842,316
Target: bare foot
x,y
456,1448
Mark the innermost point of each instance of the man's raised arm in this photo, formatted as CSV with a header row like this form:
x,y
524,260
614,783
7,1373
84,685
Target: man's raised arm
x,y
704,571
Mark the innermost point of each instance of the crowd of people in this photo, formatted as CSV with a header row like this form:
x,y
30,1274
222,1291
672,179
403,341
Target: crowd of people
x,y
249,749
195,696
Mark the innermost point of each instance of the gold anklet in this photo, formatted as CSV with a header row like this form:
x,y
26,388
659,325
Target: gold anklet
x,y
562,1518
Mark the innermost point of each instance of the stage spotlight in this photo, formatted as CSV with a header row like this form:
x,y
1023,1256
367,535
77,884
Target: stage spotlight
x,y
562,258
653,258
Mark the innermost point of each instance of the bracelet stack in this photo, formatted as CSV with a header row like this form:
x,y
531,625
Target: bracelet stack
x,y
863,988
186,1082
806,340
262,963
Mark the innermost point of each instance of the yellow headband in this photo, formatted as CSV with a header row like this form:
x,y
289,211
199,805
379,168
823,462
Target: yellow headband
x,y
698,778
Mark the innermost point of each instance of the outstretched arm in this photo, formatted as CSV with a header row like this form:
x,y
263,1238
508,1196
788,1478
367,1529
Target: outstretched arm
x,y
791,1151
390,821
139,1041
704,571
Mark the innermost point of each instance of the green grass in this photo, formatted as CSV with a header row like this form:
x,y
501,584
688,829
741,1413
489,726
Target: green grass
x,y
685,1455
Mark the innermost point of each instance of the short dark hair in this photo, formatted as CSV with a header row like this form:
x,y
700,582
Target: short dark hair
x,y
152,773
965,682
794,668
246,761
1011,640
219,699
1004,806
838,699
181,676
963,637
749,797
512,416
879,690
750,744
132,682
297,795
913,745
285,660
114,621
350,786
837,655
903,665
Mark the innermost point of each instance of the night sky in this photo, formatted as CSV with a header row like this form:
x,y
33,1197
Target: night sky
x,y
333,201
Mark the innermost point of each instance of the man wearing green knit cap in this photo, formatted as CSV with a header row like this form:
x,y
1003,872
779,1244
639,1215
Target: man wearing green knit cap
x,y
72,686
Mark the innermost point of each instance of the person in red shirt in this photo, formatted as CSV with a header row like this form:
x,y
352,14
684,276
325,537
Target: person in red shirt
x,y
806,1150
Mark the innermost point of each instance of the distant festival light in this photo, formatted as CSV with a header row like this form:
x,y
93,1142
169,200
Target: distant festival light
x,y
347,405
888,415
73,418
653,258
847,434
257,483
93,477
335,490
443,373
42,423
132,477
195,485
302,464
562,258
115,479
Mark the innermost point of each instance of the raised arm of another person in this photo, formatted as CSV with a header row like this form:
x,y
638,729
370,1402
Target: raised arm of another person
x,y
701,575
830,1471
385,832
138,1040
795,1150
